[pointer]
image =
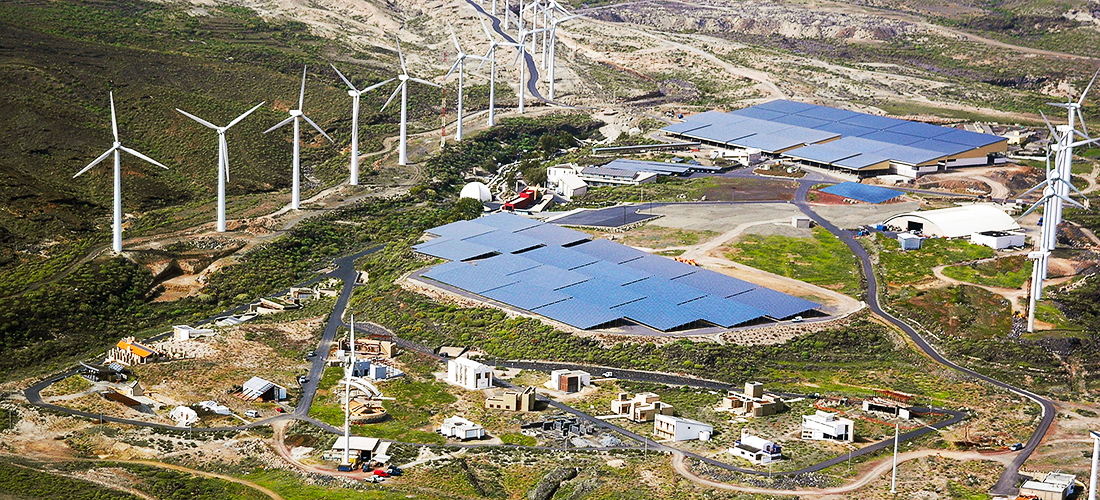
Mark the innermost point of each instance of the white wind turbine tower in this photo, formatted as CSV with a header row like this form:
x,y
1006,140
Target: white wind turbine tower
x,y
1056,189
355,93
295,115
521,58
116,242
459,64
491,56
223,157
402,158
349,369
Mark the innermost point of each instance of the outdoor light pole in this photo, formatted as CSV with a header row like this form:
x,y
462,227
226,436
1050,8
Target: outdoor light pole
x,y
894,477
1095,458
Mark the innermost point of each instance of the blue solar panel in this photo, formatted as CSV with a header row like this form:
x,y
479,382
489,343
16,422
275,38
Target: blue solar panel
x,y
862,192
724,313
680,128
451,249
612,273
922,130
549,277
554,235
721,133
609,251
509,222
659,314
911,155
461,229
871,121
950,148
661,266
667,290
578,313
802,121
772,143
758,113
444,267
777,305
472,279
785,106
506,263
828,114
972,139
892,138
602,293
845,129
564,258
821,153
862,161
525,295
716,284
859,144
505,241
647,166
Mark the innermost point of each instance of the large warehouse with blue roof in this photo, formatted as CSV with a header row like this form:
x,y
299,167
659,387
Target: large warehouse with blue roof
x,y
838,139
565,276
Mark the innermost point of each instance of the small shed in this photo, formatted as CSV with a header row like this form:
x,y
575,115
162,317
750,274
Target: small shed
x,y
909,241
998,239
258,388
462,429
801,221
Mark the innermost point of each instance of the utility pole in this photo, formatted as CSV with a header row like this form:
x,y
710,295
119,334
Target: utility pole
x,y
894,477
1095,458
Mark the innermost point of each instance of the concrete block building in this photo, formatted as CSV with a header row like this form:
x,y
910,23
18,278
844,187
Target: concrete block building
x,y
681,429
643,407
826,426
470,374
754,402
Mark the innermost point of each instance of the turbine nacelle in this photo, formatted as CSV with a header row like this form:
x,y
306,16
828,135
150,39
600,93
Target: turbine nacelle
x,y
403,77
295,112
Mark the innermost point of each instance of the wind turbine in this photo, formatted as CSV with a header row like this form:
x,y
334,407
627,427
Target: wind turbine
x,y
116,242
295,115
348,371
355,93
459,64
1056,189
402,158
553,43
223,157
491,56
521,58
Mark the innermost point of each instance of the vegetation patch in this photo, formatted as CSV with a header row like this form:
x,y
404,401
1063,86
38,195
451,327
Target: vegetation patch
x,y
822,260
898,268
1006,272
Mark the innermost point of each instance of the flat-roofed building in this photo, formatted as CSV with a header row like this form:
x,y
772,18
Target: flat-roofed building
x,y
754,402
1055,486
643,407
512,400
467,373
570,380
461,429
826,426
756,449
681,429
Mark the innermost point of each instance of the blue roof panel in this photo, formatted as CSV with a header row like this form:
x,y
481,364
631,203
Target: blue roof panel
x,y
758,113
525,296
602,293
724,313
553,235
507,221
892,138
549,277
647,166
564,258
666,290
612,273
828,114
872,121
451,249
821,153
777,305
716,284
910,155
802,121
609,251
505,241
862,192
944,147
862,161
845,129
506,263
578,313
967,138
461,229
661,266
472,278
656,313
922,130
785,106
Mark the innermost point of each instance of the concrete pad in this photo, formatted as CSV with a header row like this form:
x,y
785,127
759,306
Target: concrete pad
x,y
850,216
720,217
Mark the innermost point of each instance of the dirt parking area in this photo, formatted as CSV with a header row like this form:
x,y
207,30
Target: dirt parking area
x,y
724,217
850,216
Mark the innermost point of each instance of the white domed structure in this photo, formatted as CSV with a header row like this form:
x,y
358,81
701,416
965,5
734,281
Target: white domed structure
x,y
477,191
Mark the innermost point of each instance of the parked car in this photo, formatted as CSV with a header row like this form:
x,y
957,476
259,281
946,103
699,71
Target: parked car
x,y
311,354
279,409
302,379
797,319
1016,447
394,470
608,374
374,479
381,473
252,414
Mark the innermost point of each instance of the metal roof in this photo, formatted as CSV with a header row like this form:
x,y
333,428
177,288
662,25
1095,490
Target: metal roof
x,y
554,235
723,312
785,106
759,113
821,153
565,258
506,241
609,251
578,313
862,192
525,295
956,222
612,273
667,290
658,314
661,266
511,222
777,305
550,277
472,278
506,263
463,228
647,166
603,293
452,249
716,284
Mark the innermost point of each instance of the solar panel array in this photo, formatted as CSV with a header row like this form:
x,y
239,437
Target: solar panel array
x,y
862,192
588,283
854,140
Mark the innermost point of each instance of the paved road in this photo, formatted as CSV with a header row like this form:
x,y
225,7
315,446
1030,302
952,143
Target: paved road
x,y
1006,485
532,69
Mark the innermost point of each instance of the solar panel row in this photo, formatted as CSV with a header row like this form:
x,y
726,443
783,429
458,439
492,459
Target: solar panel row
x,y
799,129
863,192
592,283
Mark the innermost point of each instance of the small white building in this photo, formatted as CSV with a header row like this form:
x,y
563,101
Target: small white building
x,y
998,239
570,380
460,428
826,426
1055,486
756,449
185,332
258,388
566,181
467,373
801,221
183,416
909,241
214,407
681,429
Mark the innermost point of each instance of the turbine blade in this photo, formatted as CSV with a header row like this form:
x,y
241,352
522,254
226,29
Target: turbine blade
x,y
394,94
1032,209
487,56
318,129
114,122
302,94
1069,200
488,34
280,124
1082,143
1037,186
1050,127
95,162
143,157
400,55
200,120
425,82
454,39
342,77
224,150
453,68
1060,104
246,113
372,87
1086,92
1071,186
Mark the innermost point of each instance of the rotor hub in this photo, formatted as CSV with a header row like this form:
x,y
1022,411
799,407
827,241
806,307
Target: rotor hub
x,y
402,77
295,112
353,93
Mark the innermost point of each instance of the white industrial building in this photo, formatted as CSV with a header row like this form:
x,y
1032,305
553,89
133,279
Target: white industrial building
x,y
681,429
610,176
570,380
477,191
467,373
998,240
955,222
826,426
1055,486
756,449
460,428
185,332
565,180
909,241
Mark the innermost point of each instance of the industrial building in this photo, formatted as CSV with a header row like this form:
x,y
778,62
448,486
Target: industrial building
x,y
954,222
362,449
681,429
1054,486
565,276
258,388
889,407
643,407
998,240
756,449
909,241
461,429
837,139
512,400
754,402
467,373
826,426
570,380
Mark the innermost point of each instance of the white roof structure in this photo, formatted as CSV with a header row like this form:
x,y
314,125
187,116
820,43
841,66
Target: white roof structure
x,y
358,443
256,387
955,222
477,191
